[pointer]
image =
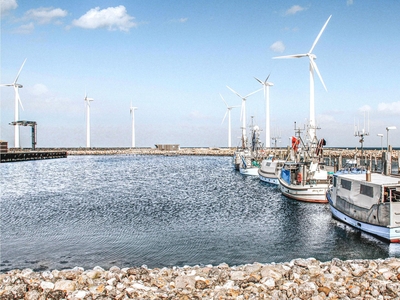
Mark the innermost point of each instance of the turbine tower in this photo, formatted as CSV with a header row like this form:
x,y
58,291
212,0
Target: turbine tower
x,y
266,86
16,107
228,112
243,114
313,66
132,112
87,100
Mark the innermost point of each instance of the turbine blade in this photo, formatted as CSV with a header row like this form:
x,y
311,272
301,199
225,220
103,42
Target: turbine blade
x,y
266,80
319,35
224,117
258,80
314,66
223,100
19,99
290,56
252,93
234,92
20,69
241,111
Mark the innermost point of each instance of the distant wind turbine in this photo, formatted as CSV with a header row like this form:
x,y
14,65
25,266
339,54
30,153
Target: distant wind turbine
x,y
132,112
266,86
16,101
313,66
87,100
243,114
228,112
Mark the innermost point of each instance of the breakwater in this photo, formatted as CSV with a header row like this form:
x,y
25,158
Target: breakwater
x,y
215,151
297,279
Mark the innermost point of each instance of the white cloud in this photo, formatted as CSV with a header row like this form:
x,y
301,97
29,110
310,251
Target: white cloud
x,y
294,10
278,46
45,15
181,20
25,29
365,108
39,90
112,18
349,2
7,5
392,108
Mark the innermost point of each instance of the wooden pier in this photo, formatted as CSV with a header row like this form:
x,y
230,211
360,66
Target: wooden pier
x,y
31,155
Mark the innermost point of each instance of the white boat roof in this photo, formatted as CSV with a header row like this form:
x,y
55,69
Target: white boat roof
x,y
376,178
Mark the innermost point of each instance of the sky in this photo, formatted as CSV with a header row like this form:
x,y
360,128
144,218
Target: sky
x,y
173,59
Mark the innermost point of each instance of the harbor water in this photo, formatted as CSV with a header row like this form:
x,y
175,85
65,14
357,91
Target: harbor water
x,y
161,211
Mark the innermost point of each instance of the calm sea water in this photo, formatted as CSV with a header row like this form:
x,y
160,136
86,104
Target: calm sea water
x,y
160,211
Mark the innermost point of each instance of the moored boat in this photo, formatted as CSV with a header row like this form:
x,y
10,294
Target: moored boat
x,y
270,168
367,201
304,177
304,181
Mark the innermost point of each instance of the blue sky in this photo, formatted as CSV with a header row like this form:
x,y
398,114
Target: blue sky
x,y
171,59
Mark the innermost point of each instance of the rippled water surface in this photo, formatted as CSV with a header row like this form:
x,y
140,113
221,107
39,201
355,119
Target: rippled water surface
x,y
160,211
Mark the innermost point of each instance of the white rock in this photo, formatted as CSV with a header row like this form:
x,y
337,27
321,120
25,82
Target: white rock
x,y
47,285
80,294
269,283
65,285
139,286
229,284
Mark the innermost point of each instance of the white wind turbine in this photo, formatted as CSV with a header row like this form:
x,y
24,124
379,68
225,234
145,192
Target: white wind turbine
x,y
313,66
132,112
87,100
266,86
228,112
243,114
16,107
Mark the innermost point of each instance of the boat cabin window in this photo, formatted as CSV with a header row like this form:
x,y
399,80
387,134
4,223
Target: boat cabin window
x,y
346,184
268,164
367,190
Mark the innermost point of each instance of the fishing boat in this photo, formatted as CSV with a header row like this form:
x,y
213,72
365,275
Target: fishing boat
x,y
270,169
250,159
304,176
367,201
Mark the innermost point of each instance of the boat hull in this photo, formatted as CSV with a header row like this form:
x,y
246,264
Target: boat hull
x,y
305,193
272,180
249,171
390,234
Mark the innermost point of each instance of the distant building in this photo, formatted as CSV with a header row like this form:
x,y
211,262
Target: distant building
x,y
3,146
168,147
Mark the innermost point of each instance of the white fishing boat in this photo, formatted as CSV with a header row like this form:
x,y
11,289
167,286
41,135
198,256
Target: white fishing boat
x,y
250,159
367,201
304,176
249,165
270,168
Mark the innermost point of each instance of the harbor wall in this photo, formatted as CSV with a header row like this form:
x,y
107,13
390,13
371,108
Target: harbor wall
x,y
213,151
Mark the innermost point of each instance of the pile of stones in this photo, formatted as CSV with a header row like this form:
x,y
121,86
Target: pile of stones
x,y
298,279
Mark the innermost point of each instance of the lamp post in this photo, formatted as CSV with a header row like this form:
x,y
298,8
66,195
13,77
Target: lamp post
x,y
381,135
387,137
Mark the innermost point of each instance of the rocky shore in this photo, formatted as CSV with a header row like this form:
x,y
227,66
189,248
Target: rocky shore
x,y
297,279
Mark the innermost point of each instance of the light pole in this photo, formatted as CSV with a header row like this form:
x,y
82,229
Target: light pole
x,y
387,137
381,135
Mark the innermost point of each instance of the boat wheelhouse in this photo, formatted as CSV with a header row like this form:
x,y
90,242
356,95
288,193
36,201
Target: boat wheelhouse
x,y
369,202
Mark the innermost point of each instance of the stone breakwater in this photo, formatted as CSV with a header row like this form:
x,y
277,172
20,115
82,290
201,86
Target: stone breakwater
x,y
213,151
297,279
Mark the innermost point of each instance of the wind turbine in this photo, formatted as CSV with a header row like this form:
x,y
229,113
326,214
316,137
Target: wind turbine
x,y
132,112
266,86
17,99
313,66
228,112
243,114
87,100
